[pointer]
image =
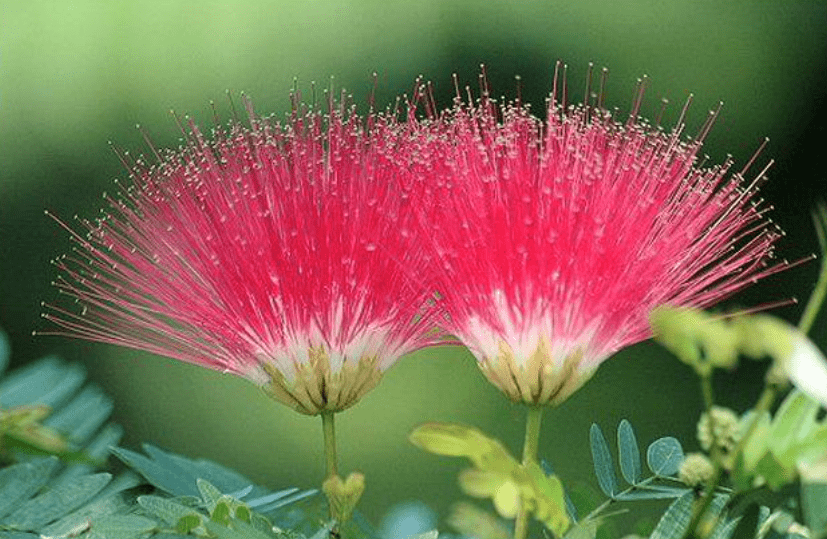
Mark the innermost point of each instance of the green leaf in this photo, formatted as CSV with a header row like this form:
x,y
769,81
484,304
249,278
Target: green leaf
x,y
795,418
653,493
281,500
814,506
724,529
455,440
323,532
55,503
166,479
433,534
664,456
603,464
221,513
188,523
675,521
83,416
20,481
747,526
209,494
29,384
5,350
71,524
165,509
586,529
628,453
122,526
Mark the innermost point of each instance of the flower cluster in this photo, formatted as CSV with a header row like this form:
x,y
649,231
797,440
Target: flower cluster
x,y
556,238
309,256
281,253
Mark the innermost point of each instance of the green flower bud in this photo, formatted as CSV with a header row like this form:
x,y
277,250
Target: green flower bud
x,y
696,470
720,425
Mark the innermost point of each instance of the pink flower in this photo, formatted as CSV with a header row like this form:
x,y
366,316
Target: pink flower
x,y
280,253
556,238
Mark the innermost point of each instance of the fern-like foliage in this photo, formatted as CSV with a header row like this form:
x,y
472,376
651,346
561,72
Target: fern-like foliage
x,y
56,437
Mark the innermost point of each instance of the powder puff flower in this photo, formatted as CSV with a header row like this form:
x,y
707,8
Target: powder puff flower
x,y
280,253
556,238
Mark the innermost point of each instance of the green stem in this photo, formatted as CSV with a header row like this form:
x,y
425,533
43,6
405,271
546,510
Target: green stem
x,y
329,429
532,442
820,290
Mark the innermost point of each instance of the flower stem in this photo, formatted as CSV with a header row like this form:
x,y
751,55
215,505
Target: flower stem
x,y
329,429
532,441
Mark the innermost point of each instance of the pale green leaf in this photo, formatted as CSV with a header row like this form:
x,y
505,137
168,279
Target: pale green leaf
x,y
164,509
628,453
55,503
603,464
665,456
209,494
675,521
20,481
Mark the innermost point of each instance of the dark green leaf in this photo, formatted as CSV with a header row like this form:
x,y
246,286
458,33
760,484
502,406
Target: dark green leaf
x,y
747,527
675,520
603,464
56,503
665,456
5,352
628,453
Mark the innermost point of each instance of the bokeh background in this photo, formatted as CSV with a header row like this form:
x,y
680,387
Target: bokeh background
x,y
74,75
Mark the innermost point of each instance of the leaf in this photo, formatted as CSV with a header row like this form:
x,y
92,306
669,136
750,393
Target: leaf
x,y
4,352
29,384
455,440
603,464
188,523
83,416
209,494
221,513
747,526
55,503
653,493
628,453
157,475
433,534
71,524
122,526
675,521
284,501
570,507
664,456
20,481
814,506
165,509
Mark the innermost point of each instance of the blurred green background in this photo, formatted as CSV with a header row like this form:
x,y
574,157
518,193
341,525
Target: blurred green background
x,y
74,75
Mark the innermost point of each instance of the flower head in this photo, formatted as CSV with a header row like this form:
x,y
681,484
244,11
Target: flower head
x,y
556,238
279,252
